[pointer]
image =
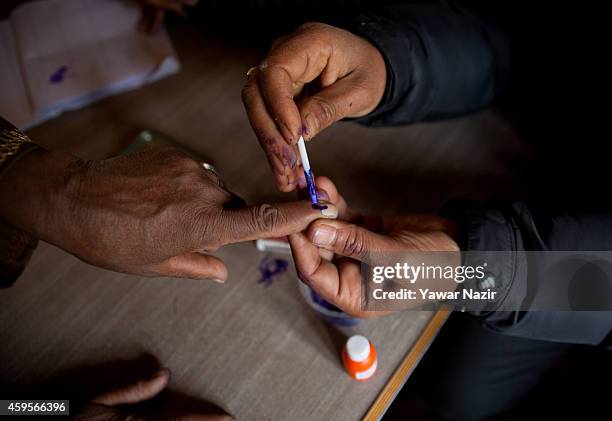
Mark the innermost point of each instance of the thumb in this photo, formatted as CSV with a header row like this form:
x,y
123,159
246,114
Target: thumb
x,y
277,220
347,97
136,392
194,266
347,239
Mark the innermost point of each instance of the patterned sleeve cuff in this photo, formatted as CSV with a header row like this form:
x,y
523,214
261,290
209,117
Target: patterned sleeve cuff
x,y
16,246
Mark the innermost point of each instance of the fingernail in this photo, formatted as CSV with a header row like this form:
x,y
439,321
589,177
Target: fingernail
x,y
322,194
330,211
164,372
324,235
219,281
311,123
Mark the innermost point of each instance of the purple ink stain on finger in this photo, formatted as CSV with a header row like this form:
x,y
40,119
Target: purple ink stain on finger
x,y
281,150
288,156
59,75
322,194
270,141
319,206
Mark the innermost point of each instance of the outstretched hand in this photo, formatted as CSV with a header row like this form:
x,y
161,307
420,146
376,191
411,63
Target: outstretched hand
x,y
153,213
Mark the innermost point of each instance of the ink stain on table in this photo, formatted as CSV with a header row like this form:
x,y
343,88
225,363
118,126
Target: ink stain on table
x,y
270,268
59,75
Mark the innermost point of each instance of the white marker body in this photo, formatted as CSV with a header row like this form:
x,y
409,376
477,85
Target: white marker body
x,y
264,244
303,154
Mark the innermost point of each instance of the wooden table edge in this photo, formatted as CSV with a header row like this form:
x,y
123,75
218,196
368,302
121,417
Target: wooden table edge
x,y
407,366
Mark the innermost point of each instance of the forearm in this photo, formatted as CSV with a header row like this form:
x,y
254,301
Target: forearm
x,y
534,258
442,60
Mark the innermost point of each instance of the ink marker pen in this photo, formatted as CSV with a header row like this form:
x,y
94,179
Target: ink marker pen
x,y
312,191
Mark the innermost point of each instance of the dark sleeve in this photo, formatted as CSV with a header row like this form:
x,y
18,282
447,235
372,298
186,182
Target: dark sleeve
x,y
517,238
443,60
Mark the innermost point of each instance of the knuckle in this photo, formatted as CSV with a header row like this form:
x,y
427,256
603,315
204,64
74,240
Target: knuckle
x,y
273,68
323,110
180,161
321,33
361,89
304,277
279,41
267,217
313,26
353,243
203,225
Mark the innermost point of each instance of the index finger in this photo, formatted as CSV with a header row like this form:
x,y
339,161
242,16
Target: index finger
x,y
299,59
265,221
281,156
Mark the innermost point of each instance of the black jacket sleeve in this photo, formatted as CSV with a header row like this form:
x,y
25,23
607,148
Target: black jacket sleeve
x,y
442,60
515,229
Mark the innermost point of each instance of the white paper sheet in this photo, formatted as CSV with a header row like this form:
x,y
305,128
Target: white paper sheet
x,y
73,52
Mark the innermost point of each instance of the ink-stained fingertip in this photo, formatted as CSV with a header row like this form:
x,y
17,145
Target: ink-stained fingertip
x,y
322,195
328,210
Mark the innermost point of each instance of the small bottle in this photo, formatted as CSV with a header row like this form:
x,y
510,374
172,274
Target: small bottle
x,y
359,357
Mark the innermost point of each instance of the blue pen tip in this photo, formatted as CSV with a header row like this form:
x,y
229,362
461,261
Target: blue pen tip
x,y
312,191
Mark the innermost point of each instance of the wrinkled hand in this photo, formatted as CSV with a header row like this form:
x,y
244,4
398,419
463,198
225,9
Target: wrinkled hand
x,y
109,405
310,79
154,11
328,254
151,213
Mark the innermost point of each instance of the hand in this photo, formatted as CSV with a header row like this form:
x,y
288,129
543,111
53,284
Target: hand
x,y
310,79
109,405
154,11
338,279
151,213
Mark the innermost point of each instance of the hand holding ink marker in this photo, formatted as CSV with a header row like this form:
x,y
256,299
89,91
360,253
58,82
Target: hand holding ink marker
x,y
312,190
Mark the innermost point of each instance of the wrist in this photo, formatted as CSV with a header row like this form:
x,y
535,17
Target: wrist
x,y
378,73
387,47
36,192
